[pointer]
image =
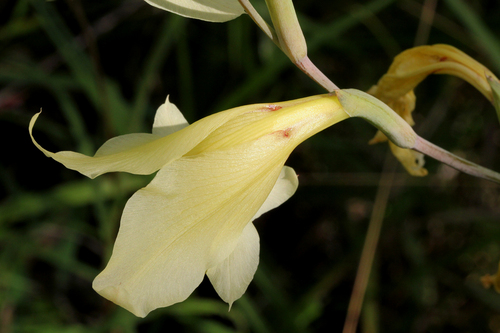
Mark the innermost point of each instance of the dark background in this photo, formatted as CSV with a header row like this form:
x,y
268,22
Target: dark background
x,y
101,68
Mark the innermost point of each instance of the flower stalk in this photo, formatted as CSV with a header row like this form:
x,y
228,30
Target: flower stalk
x,y
359,104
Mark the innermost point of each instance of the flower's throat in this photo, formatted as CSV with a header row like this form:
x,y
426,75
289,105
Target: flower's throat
x,y
296,121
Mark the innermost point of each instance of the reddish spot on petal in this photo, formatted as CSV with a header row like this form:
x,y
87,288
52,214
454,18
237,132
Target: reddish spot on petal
x,y
443,59
287,132
273,107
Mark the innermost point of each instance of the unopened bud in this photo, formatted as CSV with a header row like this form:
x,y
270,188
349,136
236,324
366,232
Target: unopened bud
x,y
287,27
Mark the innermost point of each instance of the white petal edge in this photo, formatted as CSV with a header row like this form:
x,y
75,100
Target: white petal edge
x,y
285,187
231,277
168,119
206,10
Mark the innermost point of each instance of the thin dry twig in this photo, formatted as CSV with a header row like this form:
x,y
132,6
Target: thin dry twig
x,y
370,246
425,24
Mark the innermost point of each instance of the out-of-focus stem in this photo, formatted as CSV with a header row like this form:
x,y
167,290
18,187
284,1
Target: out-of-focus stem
x,y
255,16
425,23
454,161
370,246
314,73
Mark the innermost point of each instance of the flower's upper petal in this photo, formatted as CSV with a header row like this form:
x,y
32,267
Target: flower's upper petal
x,y
187,220
206,10
285,187
141,153
232,276
168,119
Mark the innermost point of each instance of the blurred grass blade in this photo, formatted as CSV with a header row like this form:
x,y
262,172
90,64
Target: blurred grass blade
x,y
67,261
277,297
311,307
59,85
185,78
257,320
77,125
481,33
495,88
119,109
78,61
70,194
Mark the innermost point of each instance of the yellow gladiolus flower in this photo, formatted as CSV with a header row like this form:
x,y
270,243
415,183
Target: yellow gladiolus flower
x,y
194,218
214,178
410,68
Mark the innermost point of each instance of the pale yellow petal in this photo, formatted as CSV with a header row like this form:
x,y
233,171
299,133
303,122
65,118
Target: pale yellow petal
x,y
285,187
232,276
191,216
206,10
187,220
168,119
301,119
123,143
141,153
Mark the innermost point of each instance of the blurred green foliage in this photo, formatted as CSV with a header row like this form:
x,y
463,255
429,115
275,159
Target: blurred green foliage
x,y
101,68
